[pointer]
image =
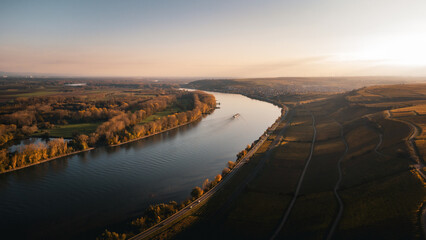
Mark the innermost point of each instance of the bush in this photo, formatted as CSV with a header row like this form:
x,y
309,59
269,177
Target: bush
x,y
206,185
231,164
225,171
196,192
107,235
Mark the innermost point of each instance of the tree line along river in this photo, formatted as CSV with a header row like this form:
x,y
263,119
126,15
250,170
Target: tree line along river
x,y
77,197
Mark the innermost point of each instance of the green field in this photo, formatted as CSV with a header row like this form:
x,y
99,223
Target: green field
x,y
33,94
181,106
161,114
67,131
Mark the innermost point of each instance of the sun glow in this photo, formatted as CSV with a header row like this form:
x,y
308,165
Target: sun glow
x,y
406,50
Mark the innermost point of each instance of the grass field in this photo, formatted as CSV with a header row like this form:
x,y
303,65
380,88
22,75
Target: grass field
x,y
419,109
34,94
67,131
311,217
281,173
300,129
361,140
327,130
403,113
161,114
182,105
394,134
300,133
322,173
382,209
262,217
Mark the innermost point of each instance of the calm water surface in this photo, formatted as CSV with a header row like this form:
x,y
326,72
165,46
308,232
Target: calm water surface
x,y
78,196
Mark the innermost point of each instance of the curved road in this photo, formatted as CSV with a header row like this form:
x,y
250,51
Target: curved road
x,y
419,166
337,186
376,149
166,223
299,184
414,133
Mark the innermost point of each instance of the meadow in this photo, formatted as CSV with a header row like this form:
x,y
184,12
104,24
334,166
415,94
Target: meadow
x,y
69,130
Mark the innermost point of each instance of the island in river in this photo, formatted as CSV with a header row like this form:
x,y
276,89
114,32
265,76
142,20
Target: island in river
x,y
91,115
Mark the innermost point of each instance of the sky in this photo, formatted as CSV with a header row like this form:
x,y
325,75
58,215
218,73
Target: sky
x,y
217,38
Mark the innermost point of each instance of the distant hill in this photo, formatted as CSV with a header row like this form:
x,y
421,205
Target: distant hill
x,y
300,84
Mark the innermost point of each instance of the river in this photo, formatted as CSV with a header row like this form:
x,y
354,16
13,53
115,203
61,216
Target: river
x,y
76,197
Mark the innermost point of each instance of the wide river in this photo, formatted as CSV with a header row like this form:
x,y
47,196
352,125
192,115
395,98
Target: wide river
x,y
76,197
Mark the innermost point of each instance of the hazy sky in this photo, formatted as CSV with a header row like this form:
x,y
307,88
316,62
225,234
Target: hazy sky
x,y
217,38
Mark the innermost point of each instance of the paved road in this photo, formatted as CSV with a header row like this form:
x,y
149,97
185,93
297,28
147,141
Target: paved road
x,y
337,186
299,184
166,223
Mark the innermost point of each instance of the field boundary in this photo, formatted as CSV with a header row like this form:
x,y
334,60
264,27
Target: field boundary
x,y
299,184
337,186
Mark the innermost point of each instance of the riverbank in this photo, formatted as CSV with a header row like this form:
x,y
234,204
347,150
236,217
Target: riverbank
x,y
115,145
153,134
198,202
138,174
46,160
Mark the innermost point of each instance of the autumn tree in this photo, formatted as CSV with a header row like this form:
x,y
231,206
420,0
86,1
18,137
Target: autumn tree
x,y
107,235
206,185
196,192
225,171
231,164
140,223
81,142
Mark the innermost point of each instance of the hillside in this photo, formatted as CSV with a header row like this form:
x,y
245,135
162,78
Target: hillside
x,y
346,166
276,86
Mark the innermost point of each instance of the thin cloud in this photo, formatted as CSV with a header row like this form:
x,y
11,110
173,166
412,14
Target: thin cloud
x,y
274,67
